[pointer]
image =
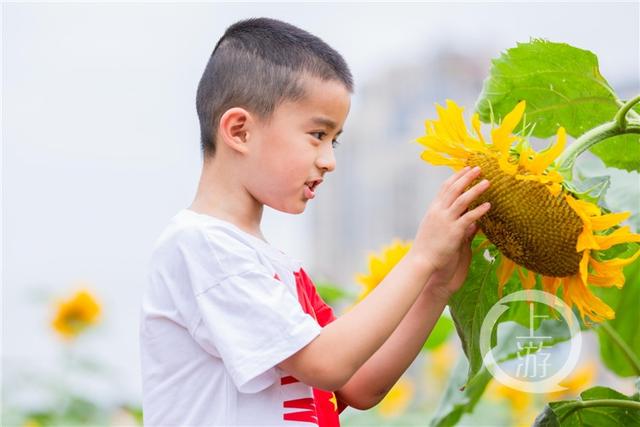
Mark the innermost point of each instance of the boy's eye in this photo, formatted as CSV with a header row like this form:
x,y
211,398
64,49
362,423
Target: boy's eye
x,y
320,135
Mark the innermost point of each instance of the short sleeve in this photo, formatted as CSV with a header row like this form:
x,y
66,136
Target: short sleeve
x,y
253,322
323,311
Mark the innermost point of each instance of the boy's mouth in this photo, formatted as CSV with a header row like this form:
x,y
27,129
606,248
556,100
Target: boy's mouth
x,y
313,183
311,186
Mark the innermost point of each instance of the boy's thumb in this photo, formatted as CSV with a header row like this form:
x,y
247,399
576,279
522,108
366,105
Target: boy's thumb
x,y
471,231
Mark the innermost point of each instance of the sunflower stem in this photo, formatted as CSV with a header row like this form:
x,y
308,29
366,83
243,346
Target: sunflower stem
x,y
618,126
617,339
583,404
621,115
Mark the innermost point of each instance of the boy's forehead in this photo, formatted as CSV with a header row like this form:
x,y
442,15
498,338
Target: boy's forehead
x,y
326,102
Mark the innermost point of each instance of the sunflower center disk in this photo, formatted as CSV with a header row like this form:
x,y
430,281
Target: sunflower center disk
x,y
527,223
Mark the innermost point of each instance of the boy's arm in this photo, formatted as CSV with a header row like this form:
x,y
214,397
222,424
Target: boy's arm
x,y
345,344
370,384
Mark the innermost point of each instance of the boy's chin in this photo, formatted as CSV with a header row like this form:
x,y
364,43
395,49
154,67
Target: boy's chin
x,y
296,209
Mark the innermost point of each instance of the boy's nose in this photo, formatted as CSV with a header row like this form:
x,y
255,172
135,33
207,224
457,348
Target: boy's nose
x,y
326,159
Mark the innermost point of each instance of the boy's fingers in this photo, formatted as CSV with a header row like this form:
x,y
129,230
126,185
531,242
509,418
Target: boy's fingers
x,y
445,185
475,214
462,203
456,189
471,231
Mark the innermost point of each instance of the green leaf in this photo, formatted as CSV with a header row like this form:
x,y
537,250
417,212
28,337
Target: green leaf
x,y
625,303
472,302
440,333
623,193
456,402
547,418
598,406
622,152
593,189
562,86
470,305
462,394
135,411
332,293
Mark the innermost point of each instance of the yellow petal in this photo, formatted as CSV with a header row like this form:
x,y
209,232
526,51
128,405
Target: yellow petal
x,y
588,303
586,239
451,122
584,264
607,221
621,235
551,284
439,160
616,263
545,158
555,189
526,157
501,136
441,145
605,282
610,273
475,122
504,272
527,278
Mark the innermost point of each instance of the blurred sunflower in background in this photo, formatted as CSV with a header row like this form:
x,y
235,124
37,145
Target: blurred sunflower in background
x,y
398,399
380,265
524,406
539,226
582,378
439,364
75,314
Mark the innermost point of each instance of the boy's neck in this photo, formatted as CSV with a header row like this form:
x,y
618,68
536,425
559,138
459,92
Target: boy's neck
x,y
222,198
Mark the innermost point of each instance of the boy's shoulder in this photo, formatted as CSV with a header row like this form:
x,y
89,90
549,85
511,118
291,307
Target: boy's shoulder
x,y
201,242
191,230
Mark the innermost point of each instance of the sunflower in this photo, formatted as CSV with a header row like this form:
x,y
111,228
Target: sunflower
x,y
521,403
540,228
580,380
76,314
398,399
380,265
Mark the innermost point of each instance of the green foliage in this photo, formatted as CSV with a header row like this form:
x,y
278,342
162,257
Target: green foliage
x,y
472,302
73,411
622,151
470,305
440,333
459,399
563,87
625,326
598,406
332,293
592,189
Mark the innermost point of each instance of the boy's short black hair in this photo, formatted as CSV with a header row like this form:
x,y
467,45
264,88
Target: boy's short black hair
x,y
257,64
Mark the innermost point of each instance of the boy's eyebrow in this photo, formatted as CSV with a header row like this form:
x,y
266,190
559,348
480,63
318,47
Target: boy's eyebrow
x,y
323,121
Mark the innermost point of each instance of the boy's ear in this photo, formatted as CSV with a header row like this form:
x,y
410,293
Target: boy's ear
x,y
235,126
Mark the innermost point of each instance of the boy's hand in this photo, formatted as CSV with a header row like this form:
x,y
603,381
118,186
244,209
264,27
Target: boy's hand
x,y
443,238
443,287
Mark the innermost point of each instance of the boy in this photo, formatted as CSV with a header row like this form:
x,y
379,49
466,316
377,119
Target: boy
x,y
233,331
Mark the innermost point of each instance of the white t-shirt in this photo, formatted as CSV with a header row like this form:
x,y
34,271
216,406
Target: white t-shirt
x,y
221,309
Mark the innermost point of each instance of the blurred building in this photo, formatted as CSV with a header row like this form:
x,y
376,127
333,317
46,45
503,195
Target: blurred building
x,y
381,188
